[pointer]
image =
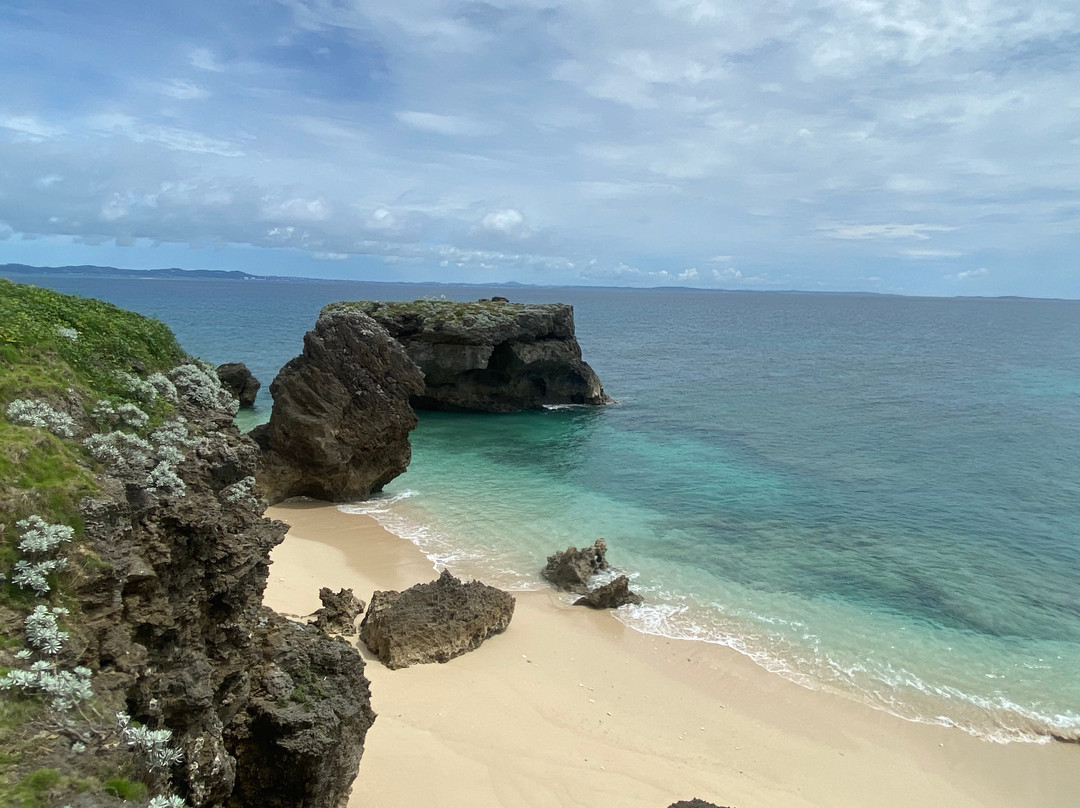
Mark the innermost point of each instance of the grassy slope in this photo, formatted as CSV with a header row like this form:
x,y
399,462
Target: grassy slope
x,y
47,476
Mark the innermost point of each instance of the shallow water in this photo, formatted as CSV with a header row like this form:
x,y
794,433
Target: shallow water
x,y
873,495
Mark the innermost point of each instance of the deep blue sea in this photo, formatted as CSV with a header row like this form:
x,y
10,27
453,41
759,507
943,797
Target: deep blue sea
x,y
878,496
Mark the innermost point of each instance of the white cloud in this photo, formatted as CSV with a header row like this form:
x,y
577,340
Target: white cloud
x,y
968,274
444,124
883,231
31,127
203,59
182,90
931,254
508,222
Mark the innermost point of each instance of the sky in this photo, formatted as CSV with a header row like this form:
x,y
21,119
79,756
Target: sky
x,y
905,146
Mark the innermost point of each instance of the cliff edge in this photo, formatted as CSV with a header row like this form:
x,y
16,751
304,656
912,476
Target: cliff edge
x,y
136,659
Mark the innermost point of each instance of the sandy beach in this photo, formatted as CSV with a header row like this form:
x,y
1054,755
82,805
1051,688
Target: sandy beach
x,y
570,708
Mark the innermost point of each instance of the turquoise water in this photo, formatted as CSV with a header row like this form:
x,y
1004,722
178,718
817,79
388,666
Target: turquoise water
x,y
873,495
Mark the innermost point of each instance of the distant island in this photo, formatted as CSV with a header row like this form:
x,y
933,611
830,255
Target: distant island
x,y
23,271
113,272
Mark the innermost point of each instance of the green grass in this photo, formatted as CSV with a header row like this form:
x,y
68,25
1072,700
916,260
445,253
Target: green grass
x,y
47,476
130,790
33,790
439,310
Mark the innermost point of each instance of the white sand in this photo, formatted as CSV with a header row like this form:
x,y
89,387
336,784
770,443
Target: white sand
x,y
570,708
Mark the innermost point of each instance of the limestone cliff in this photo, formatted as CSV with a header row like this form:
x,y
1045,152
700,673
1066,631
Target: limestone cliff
x,y
135,555
339,428
490,356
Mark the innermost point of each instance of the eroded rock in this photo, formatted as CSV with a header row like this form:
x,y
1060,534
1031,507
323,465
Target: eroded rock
x,y
173,627
238,380
339,612
694,803
611,595
572,569
434,622
339,429
491,355
296,749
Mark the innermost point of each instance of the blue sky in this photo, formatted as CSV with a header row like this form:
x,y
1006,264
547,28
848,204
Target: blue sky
x,y
913,146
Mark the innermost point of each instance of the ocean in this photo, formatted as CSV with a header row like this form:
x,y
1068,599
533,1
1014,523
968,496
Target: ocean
x,y
877,496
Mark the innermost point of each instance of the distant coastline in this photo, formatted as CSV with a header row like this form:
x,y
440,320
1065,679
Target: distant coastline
x,y
23,272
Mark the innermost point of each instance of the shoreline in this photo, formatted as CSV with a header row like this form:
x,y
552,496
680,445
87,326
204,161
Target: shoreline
x,y
572,707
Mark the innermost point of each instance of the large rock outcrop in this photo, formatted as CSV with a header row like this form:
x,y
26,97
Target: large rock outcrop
x,y
572,569
339,428
241,382
265,712
434,622
492,355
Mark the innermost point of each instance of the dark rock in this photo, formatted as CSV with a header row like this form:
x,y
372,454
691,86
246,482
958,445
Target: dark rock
x,y
339,429
694,803
611,595
490,356
296,748
339,612
497,299
434,622
172,625
573,569
238,380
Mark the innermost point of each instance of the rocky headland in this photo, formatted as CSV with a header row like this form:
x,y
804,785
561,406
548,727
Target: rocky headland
x,y
491,355
137,659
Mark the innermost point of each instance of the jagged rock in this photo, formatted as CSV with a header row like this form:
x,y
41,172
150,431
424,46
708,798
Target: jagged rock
x,y
339,612
238,380
172,626
694,803
299,749
611,595
339,428
572,569
492,355
434,622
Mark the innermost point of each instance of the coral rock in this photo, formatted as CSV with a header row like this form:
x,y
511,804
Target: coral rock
x,y
611,595
339,428
238,380
339,612
572,569
492,355
434,622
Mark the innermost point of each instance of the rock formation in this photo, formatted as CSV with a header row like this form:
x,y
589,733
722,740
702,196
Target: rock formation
x,y
339,612
694,803
135,570
339,429
434,622
490,356
611,595
573,569
173,619
238,380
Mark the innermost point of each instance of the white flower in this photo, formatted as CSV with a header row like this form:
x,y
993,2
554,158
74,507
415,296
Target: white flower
x,y
42,415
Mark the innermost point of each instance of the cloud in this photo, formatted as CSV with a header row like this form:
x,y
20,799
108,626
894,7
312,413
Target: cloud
x,y
203,59
557,141
443,124
508,222
31,127
883,231
182,90
968,274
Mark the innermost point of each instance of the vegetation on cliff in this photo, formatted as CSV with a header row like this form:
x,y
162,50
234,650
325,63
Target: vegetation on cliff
x,y
137,663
